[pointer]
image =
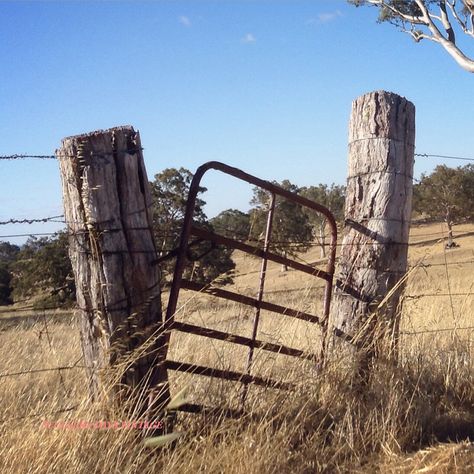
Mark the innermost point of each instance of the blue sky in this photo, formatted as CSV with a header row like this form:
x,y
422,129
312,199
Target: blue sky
x,y
262,85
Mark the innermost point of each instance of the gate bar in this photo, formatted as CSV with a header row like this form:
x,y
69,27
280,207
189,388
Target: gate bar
x,y
219,239
242,340
249,301
239,174
226,374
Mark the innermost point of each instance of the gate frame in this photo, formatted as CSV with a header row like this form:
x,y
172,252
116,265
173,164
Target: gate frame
x,y
178,282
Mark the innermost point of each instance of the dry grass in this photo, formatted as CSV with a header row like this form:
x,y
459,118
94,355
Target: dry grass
x,y
327,424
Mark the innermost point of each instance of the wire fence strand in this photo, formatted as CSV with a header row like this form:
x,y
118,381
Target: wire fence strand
x,y
436,236
17,156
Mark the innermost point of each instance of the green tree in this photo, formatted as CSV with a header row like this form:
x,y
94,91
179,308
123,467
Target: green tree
x,y
333,197
169,193
42,268
232,223
446,194
291,231
8,254
435,20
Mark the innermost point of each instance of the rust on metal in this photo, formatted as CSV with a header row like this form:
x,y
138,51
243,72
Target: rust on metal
x,y
235,244
226,374
258,303
242,340
249,301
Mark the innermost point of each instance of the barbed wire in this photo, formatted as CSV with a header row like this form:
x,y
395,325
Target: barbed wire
x,y
428,265
17,156
447,157
443,295
303,244
37,415
37,371
23,156
32,234
30,308
76,366
33,220
432,331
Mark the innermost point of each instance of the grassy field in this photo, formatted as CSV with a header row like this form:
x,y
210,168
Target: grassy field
x,y
413,417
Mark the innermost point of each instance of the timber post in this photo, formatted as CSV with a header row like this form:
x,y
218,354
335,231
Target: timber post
x,y
111,246
373,257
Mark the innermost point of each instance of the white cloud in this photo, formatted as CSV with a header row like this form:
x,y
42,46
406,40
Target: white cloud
x,y
249,38
185,21
325,17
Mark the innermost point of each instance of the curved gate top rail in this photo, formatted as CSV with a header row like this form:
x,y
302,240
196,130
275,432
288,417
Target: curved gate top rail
x,y
258,303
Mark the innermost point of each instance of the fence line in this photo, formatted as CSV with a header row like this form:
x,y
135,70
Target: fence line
x,y
38,415
20,156
77,366
36,371
432,331
284,244
446,264
33,220
447,157
33,234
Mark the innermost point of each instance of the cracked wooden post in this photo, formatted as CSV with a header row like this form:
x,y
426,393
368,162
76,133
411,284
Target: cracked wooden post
x,y
373,257
111,246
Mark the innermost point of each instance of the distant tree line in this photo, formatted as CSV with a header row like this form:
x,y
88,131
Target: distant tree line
x,y
40,270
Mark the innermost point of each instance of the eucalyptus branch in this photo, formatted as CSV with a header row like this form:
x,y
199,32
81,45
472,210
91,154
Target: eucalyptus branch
x,y
446,23
397,12
437,27
419,35
462,23
451,48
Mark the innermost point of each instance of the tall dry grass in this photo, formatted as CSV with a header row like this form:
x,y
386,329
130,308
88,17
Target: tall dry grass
x,y
328,423
324,425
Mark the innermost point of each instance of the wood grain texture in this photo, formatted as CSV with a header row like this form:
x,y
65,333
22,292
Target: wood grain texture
x,y
374,248
107,208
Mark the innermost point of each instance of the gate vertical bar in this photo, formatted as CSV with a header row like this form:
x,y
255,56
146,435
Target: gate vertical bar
x,y
263,271
328,294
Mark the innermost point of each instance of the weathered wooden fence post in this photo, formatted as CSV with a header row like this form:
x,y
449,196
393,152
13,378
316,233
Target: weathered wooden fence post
x,y
107,208
373,257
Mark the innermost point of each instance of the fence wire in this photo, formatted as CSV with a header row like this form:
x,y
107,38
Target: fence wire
x,y
423,266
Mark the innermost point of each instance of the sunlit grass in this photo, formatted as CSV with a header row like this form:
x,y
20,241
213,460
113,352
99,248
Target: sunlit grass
x,y
325,424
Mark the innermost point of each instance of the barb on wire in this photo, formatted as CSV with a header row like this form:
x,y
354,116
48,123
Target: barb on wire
x,y
430,331
33,221
429,295
22,157
37,371
428,265
31,234
37,415
448,157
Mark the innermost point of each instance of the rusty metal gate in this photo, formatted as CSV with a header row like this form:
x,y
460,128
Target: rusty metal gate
x,y
258,303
